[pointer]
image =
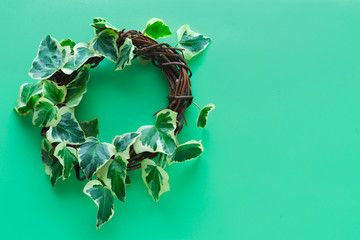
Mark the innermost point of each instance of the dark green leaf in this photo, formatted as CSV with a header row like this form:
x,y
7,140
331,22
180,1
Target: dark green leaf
x,y
203,115
90,127
185,152
193,43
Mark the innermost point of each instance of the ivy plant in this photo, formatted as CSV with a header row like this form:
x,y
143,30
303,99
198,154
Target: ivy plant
x,y
61,72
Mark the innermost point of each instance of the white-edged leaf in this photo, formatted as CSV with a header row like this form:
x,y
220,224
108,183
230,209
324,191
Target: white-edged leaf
x,y
185,152
203,115
113,174
46,114
68,129
67,156
103,198
78,87
90,128
104,44
82,53
53,167
192,42
156,28
126,54
159,137
51,57
93,154
155,178
29,94
123,142
101,24
53,92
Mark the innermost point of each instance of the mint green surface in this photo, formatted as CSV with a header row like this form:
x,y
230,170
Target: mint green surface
x,y
282,147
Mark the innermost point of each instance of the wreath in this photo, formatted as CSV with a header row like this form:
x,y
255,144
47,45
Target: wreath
x,y
62,70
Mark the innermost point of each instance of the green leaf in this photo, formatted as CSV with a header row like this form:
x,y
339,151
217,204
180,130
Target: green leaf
x,y
69,66
51,57
192,42
67,157
68,42
103,198
82,53
78,87
101,24
123,142
53,167
93,154
185,152
126,54
53,92
160,137
156,28
90,127
155,178
113,174
104,44
68,130
203,115
29,94
46,114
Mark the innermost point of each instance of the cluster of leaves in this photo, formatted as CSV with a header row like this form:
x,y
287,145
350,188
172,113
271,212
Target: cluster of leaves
x,y
70,143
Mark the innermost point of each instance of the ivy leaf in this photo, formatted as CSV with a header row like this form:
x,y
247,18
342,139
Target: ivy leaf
x,y
82,53
90,128
126,54
46,114
156,28
104,44
103,198
123,142
68,130
78,87
28,96
51,57
113,174
93,154
192,42
53,92
185,152
68,42
203,115
67,156
160,137
53,168
155,179
69,66
101,24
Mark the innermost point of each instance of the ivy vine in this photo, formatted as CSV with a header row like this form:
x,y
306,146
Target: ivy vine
x,y
62,73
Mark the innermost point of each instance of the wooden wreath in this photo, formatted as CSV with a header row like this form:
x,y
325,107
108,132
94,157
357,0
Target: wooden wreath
x,y
62,71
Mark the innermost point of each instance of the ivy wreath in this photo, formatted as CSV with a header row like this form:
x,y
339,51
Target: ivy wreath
x,y
62,70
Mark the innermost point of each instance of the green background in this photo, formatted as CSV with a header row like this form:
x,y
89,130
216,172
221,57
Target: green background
x,y
282,147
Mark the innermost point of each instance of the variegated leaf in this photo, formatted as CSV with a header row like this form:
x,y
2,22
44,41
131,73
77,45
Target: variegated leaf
x,y
101,24
123,142
53,167
113,174
193,43
29,94
93,154
82,53
126,54
160,137
51,57
103,198
203,115
155,178
78,87
185,152
46,114
156,28
90,127
67,156
68,130
53,92
104,44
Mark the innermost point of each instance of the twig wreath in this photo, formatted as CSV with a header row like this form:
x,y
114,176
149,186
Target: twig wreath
x,y
62,70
